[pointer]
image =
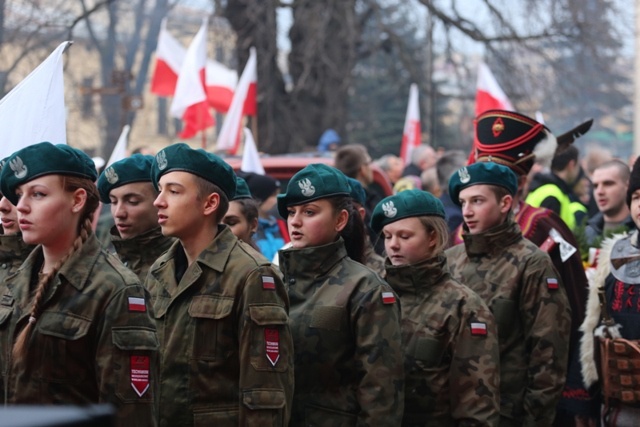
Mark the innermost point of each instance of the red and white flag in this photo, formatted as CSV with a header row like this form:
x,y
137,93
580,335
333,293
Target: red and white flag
x,y
190,100
170,56
411,133
250,157
34,110
243,99
220,85
489,94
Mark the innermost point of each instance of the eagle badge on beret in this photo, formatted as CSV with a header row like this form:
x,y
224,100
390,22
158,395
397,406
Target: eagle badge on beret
x,y
389,209
18,167
111,175
306,187
464,176
161,158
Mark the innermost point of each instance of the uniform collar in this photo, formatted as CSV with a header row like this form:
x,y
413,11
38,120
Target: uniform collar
x,y
411,278
309,263
493,240
141,242
12,246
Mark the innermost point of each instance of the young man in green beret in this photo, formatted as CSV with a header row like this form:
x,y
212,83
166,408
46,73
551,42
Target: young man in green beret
x,y
136,236
518,282
221,309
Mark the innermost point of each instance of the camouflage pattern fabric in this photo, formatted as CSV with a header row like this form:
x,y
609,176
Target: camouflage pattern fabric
x,y
372,259
140,252
345,323
13,251
519,284
94,341
226,348
452,361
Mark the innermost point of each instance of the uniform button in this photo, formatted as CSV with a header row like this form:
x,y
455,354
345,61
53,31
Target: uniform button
x,y
4,265
126,263
292,281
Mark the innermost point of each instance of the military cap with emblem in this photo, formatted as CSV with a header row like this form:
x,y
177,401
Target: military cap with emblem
x,y
517,141
315,181
357,191
488,173
242,189
406,204
136,168
208,166
42,159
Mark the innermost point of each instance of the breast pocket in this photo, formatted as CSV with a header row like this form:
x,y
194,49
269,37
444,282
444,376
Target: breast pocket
x,y
214,338
428,344
507,318
5,342
65,352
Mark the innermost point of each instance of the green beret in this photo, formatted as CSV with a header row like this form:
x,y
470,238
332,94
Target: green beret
x,y
405,204
136,168
316,181
42,159
242,189
357,191
488,173
208,166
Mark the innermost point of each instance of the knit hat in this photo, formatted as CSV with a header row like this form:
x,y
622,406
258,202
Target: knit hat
x,y
242,189
405,204
513,140
136,168
634,180
316,181
488,173
208,166
261,186
42,159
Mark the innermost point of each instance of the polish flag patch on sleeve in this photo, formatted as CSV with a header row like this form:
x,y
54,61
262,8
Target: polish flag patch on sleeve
x,y
268,282
552,283
137,304
388,298
478,328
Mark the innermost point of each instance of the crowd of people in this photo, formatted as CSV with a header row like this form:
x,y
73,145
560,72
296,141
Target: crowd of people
x,y
497,289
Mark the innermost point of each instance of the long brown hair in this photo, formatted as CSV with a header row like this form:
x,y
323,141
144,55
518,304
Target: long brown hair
x,y
354,233
69,184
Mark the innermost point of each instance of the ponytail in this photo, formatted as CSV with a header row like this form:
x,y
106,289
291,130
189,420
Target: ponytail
x,y
354,233
85,229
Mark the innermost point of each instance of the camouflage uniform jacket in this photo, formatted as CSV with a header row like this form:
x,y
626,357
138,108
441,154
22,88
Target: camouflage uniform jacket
x,y
140,252
452,358
94,341
227,353
519,284
372,259
346,331
13,251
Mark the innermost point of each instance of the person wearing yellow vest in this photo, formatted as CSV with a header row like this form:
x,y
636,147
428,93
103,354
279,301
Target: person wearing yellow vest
x,y
554,190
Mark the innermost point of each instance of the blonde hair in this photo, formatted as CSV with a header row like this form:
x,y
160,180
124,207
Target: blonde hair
x,y
69,184
437,225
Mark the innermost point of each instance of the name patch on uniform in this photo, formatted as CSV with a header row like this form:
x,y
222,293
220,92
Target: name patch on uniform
x,y
268,282
140,374
272,345
137,304
6,300
388,298
552,283
478,328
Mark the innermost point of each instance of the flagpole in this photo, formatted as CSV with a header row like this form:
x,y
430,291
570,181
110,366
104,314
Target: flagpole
x,y
254,128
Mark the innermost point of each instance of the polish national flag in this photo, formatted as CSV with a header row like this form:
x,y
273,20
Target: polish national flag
x,y
169,59
411,133
229,137
250,156
220,84
489,94
190,99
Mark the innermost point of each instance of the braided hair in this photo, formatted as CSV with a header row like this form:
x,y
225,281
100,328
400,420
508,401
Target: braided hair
x,y
69,184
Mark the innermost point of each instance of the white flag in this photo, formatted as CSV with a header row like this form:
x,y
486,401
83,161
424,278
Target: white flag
x,y
411,133
34,110
250,156
120,150
228,136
